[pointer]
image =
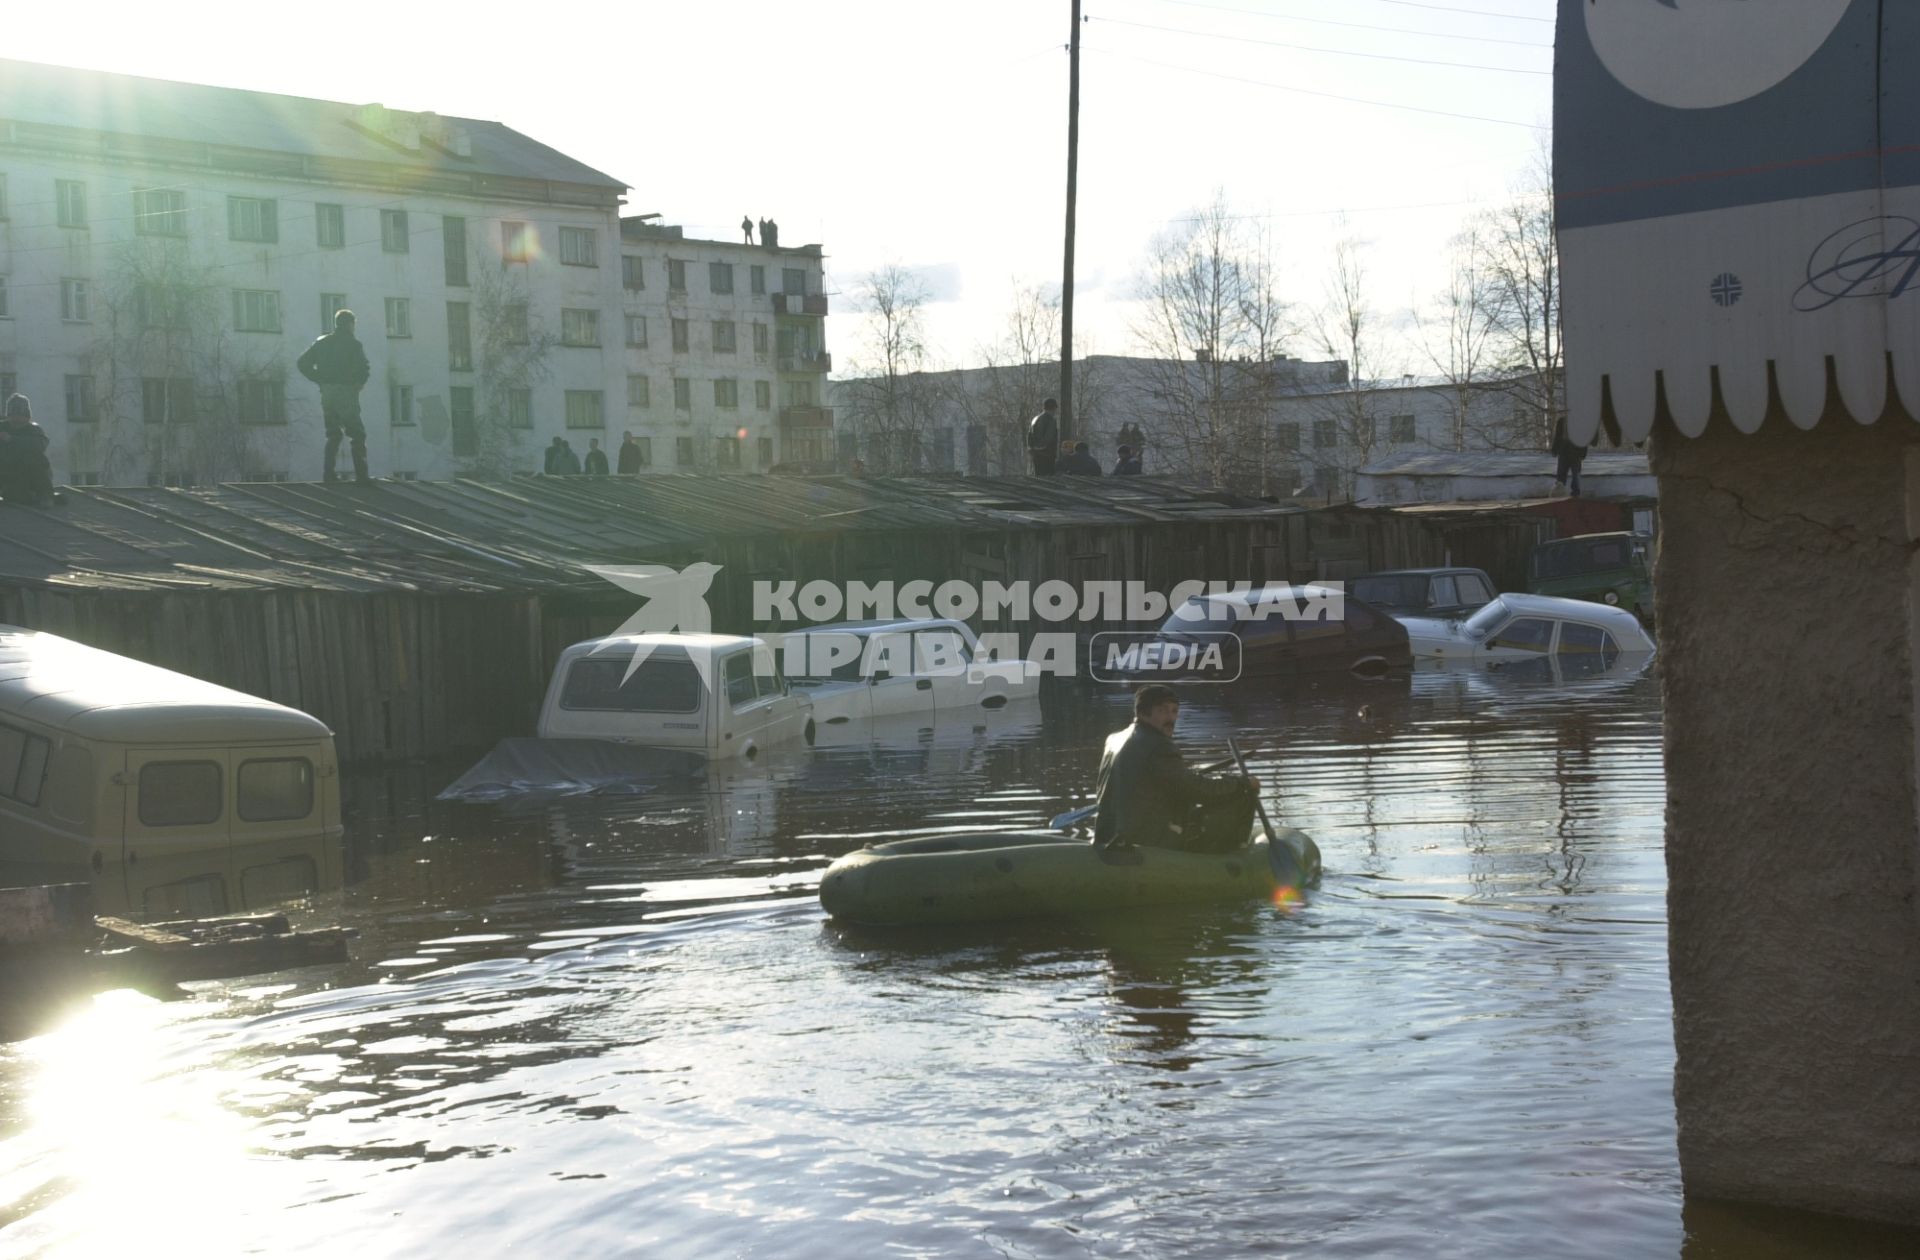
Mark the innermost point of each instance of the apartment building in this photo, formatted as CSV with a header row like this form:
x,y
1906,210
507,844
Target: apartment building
x,y
167,250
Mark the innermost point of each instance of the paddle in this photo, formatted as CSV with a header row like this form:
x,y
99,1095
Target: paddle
x,y
1074,817
1259,805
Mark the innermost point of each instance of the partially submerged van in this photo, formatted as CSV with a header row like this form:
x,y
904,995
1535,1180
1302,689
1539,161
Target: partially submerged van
x,y
598,693
180,797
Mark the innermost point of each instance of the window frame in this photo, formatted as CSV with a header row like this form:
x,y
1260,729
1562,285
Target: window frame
x,y
395,236
571,240
329,225
264,230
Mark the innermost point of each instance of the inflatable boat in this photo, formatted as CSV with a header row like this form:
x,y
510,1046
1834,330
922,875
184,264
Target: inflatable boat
x,y
980,877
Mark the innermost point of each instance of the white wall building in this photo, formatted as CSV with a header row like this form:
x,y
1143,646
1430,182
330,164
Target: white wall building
x,y
167,250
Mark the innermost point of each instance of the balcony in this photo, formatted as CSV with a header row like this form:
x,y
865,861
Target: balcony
x,y
799,303
806,417
818,361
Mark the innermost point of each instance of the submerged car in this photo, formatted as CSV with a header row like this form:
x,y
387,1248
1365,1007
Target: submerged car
x,y
855,670
1524,627
1612,569
665,701
1269,631
1424,592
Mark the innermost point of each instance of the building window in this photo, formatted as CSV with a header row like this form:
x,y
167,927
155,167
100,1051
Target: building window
x,y
584,410
159,306
400,405
75,303
759,340
633,272
519,408
579,326
256,310
466,436
459,337
644,452
80,400
683,451
331,304
796,394
263,400
639,391
1286,435
720,277
453,244
330,226
393,232
1401,429
676,276
726,393
513,324
399,317
757,280
793,280
577,247
726,452
763,394
766,452
250,219
682,394
70,202
637,331
725,336
159,212
679,336
164,401
516,242
1325,433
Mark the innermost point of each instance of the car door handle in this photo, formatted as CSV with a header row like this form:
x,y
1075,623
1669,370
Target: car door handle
x,y
923,684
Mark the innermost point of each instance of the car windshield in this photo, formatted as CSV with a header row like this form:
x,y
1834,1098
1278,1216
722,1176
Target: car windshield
x,y
1198,615
1584,555
824,649
1404,591
1486,621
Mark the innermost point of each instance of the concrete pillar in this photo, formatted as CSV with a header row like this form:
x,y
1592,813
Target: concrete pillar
x,y
1786,584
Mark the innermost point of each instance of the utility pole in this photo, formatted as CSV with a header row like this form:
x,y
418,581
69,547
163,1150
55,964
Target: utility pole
x,y
1066,270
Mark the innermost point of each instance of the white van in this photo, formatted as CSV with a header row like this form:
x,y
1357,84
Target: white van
x,y
178,796
665,704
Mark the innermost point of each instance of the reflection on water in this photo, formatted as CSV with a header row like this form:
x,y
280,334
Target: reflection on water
x,y
619,1025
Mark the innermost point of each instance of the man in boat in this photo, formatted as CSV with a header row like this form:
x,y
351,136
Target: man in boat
x,y
1148,795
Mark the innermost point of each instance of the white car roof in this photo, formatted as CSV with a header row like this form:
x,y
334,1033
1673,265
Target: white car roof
x,y
870,627
1566,609
704,642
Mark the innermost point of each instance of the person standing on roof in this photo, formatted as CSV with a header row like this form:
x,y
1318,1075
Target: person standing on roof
x,y
1078,461
1043,438
1129,465
746,227
1148,796
26,478
338,365
596,459
1568,456
629,464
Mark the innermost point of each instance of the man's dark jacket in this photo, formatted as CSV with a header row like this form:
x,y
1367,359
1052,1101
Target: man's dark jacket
x,y
630,457
597,463
1079,464
335,359
1043,432
1145,786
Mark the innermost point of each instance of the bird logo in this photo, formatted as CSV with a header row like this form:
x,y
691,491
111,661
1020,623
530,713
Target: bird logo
x,y
676,603
1703,54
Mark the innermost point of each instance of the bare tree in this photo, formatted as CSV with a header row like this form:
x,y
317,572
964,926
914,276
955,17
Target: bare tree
x,y
1210,323
1349,329
891,399
1522,275
179,403
510,357
1457,335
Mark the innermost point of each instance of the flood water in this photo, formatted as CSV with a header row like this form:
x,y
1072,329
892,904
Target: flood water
x,y
622,1026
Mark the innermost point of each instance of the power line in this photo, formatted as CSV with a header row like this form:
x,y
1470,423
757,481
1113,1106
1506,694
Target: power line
x,y
1414,205
1337,52
1358,26
1331,96
1448,8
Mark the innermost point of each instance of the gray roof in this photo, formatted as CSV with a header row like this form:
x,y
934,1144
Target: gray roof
x,y
1500,464
193,113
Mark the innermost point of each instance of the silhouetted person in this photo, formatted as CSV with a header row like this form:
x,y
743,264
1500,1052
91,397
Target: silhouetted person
x,y
596,459
551,466
858,468
1569,456
1129,465
770,234
338,365
1043,438
26,478
1078,461
629,455
746,228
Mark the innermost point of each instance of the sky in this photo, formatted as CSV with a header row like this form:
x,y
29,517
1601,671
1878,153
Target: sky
x,y
933,136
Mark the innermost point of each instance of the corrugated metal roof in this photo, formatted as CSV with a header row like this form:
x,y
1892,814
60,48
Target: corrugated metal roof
x,y
194,113
530,534
1500,464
